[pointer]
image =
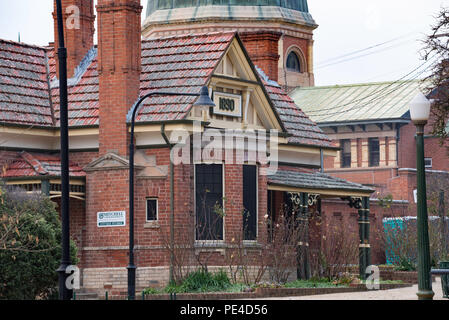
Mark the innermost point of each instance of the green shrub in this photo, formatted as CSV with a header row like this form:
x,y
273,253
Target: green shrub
x,y
30,248
201,281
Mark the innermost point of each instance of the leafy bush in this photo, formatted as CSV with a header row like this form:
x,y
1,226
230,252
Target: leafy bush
x,y
30,246
200,281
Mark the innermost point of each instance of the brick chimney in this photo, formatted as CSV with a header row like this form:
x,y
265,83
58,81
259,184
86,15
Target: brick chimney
x,y
119,65
79,19
263,49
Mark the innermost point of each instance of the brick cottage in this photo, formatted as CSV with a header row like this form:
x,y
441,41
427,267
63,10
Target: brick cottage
x,y
172,200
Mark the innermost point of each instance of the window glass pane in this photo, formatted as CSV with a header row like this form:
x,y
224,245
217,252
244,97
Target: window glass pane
x,y
151,209
345,153
209,201
293,62
374,155
250,202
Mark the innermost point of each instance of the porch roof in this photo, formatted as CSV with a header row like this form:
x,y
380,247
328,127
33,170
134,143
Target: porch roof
x,y
316,183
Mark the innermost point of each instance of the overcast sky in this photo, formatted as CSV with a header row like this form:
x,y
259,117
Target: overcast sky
x,y
392,29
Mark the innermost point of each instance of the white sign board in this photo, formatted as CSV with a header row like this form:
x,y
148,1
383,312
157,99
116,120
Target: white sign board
x,y
111,219
228,104
415,195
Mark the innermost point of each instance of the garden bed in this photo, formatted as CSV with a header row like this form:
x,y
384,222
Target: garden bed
x,y
270,292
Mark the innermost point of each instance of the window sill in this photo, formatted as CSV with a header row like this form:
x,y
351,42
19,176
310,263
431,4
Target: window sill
x,y
151,225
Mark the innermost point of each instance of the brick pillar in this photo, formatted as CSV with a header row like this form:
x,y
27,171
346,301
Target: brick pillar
x,y
337,159
392,161
365,153
353,153
119,64
79,19
383,152
263,49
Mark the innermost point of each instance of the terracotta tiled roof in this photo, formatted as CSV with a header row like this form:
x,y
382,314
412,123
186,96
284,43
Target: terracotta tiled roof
x,y
82,91
38,165
303,130
178,63
315,180
24,89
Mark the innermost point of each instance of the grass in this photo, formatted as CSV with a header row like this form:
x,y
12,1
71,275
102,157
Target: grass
x,y
202,282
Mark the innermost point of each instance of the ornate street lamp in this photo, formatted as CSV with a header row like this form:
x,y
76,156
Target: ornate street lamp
x,y
419,113
204,103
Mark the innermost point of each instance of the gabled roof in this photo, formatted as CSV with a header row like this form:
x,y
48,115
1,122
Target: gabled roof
x,y
38,165
358,102
182,63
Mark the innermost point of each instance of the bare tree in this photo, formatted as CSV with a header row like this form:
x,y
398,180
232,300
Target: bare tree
x,y
437,45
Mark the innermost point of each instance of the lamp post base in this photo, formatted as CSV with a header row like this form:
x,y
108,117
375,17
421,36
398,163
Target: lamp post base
x,y
425,294
131,281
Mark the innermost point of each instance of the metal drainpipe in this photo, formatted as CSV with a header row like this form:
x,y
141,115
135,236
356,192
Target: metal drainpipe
x,y
398,137
172,204
322,160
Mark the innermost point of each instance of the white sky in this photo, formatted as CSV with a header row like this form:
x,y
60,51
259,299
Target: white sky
x,y
345,26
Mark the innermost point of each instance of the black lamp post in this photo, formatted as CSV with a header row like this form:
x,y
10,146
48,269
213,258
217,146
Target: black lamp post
x,y
419,113
64,292
203,101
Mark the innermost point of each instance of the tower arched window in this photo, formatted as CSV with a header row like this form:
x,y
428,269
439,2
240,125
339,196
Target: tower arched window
x,y
293,63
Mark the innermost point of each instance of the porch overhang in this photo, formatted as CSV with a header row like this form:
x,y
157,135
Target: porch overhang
x,y
316,183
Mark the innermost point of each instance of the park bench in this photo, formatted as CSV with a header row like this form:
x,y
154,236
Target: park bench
x,y
442,273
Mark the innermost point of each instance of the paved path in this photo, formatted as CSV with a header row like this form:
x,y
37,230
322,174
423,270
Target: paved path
x,y
408,293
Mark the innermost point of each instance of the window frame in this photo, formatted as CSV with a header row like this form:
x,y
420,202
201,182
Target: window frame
x,y
195,202
370,152
256,235
342,154
298,58
431,163
146,208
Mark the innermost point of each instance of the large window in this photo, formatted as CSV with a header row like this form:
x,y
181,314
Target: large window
x,y
250,202
374,154
345,146
209,201
293,63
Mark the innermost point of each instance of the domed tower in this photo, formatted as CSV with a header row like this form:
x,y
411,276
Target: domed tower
x,y
278,34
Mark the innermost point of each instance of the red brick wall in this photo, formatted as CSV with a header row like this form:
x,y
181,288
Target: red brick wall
x,y
82,159
263,49
407,147
77,41
336,212
302,44
119,64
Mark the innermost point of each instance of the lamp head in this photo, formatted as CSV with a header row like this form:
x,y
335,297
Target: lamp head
x,y
420,109
204,102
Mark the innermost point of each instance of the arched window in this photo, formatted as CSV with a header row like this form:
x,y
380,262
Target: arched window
x,y
293,63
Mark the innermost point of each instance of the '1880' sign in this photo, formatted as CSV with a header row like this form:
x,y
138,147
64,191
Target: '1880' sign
x,y
227,104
